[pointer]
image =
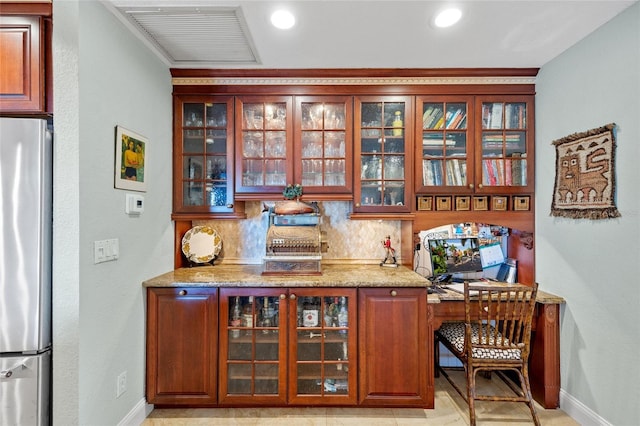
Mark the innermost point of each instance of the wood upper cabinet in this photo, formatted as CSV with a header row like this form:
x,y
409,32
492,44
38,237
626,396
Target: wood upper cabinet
x,y
392,330
182,346
444,144
323,145
504,144
203,163
22,63
282,140
264,145
383,154
481,145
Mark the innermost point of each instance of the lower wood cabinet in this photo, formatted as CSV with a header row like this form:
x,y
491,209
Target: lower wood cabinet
x,y
286,346
392,336
182,346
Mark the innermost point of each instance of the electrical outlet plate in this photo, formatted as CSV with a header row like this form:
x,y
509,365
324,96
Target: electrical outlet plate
x,y
121,384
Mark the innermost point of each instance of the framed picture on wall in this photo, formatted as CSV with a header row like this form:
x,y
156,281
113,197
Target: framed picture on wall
x,y
131,160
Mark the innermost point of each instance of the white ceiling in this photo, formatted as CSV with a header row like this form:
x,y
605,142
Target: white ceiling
x,y
362,34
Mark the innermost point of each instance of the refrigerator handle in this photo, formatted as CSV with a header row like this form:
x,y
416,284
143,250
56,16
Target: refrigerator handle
x,y
6,374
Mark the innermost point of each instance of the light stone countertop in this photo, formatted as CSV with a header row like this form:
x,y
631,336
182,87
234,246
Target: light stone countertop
x,y
333,275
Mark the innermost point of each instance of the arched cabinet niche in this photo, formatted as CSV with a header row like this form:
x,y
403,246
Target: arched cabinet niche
x,y
519,240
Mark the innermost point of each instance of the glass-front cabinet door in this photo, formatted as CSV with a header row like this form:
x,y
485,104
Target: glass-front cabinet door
x,y
254,346
322,346
505,144
322,141
264,144
444,148
382,154
203,155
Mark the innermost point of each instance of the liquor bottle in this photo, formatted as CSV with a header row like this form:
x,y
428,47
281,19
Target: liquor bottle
x,y
236,318
310,313
397,124
266,315
334,311
343,315
247,316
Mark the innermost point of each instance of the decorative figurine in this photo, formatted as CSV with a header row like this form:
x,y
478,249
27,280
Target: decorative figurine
x,y
390,254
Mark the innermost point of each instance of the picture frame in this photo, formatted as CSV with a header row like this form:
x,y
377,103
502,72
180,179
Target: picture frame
x,y
130,160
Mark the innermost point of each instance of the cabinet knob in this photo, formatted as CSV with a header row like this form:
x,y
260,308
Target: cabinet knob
x,y
357,204
229,206
394,293
292,296
283,296
182,292
479,185
471,186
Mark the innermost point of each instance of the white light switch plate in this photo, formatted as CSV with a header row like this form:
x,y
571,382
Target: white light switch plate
x,y
106,250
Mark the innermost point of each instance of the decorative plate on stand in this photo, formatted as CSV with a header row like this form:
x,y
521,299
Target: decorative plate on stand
x,y
201,244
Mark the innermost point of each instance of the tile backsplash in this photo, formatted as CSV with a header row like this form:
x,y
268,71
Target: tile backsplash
x,y
348,240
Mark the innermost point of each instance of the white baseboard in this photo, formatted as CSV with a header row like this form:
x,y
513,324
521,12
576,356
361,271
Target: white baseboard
x,y
138,413
580,412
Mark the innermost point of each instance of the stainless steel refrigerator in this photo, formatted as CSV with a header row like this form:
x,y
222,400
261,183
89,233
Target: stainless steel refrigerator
x,y
25,271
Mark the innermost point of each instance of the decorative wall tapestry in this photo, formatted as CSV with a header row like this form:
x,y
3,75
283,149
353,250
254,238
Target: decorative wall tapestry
x,y
585,184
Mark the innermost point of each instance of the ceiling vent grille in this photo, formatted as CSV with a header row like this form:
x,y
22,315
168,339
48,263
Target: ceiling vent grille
x,y
196,35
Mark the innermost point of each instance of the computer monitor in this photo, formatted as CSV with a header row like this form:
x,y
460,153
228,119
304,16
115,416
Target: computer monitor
x,y
454,256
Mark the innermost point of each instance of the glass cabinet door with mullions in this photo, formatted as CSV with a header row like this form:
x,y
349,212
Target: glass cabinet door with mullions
x,y
204,150
322,143
264,147
253,363
445,154
322,357
382,160
505,146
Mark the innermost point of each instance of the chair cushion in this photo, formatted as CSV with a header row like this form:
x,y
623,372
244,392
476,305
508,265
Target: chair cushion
x,y
453,332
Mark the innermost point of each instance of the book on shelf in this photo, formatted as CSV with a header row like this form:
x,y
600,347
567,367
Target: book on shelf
x,y
454,117
454,172
431,116
458,121
516,169
427,116
496,116
437,141
515,116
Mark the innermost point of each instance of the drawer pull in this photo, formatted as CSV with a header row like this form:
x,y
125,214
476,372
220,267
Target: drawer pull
x,y
182,292
394,293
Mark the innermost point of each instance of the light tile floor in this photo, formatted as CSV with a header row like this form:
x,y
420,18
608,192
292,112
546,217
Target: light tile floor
x,y
450,409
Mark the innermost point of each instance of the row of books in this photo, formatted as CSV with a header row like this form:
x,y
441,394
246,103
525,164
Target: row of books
x,y
454,173
434,117
504,172
515,116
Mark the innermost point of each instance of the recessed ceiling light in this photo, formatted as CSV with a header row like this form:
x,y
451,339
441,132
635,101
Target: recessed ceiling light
x,y
283,19
447,17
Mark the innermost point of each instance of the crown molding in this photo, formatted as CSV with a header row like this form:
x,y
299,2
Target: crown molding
x,y
350,81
